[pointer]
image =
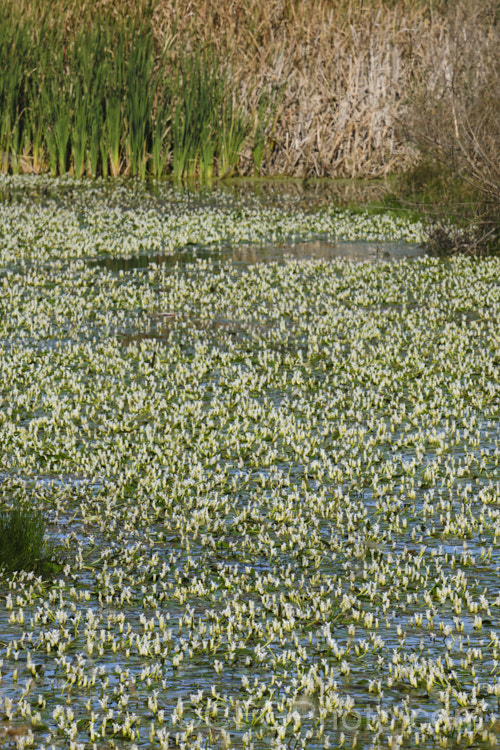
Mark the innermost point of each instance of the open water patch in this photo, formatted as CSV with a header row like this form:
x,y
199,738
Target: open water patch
x,y
244,255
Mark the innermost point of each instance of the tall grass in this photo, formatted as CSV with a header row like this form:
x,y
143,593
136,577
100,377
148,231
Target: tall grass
x,y
109,100
341,69
208,128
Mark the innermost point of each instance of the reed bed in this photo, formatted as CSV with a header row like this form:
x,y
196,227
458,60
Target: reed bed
x,y
212,88
105,99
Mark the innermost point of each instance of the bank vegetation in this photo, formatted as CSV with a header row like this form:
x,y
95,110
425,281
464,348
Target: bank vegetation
x,y
346,88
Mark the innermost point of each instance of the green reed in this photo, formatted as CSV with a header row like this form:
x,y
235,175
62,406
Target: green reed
x,y
209,128
161,133
14,60
79,134
235,128
196,92
105,100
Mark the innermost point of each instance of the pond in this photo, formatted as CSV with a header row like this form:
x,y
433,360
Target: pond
x,y
265,434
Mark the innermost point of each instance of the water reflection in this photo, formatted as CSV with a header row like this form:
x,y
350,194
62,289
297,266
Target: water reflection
x,y
252,254
323,250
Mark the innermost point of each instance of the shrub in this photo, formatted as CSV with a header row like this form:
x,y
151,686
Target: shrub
x,y
454,120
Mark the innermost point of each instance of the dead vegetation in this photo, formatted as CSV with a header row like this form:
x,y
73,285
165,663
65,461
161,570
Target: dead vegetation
x,y
453,118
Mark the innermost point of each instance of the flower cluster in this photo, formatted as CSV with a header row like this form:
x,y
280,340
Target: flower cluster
x,y
276,488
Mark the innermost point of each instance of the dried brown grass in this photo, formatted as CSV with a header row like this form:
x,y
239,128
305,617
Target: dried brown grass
x,y
453,116
454,108
343,67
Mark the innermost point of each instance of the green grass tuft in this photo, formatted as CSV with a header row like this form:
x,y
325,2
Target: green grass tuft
x,y
22,540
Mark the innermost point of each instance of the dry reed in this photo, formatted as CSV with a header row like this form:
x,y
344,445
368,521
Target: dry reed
x,y
453,116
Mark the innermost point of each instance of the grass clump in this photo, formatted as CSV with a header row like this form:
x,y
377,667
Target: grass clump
x,y
22,540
